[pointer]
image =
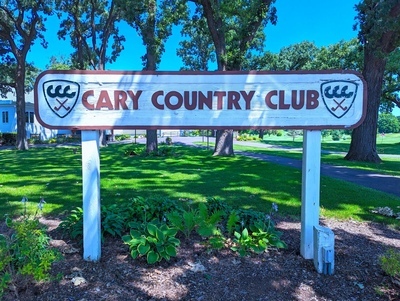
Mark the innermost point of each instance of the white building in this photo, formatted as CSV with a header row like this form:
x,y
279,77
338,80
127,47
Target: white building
x,y
8,121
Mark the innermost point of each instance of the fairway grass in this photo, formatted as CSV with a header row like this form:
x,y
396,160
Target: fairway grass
x,y
333,152
389,165
187,173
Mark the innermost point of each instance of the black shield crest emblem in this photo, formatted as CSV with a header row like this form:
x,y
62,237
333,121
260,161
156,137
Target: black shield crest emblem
x,y
338,96
61,96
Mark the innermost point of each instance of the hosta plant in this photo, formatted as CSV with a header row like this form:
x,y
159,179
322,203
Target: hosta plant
x,y
257,239
153,241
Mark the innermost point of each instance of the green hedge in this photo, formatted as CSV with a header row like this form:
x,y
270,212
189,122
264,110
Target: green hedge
x,y
8,138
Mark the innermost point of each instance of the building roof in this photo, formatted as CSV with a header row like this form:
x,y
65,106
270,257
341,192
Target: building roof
x,y
11,98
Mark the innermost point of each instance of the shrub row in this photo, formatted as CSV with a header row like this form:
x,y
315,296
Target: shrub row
x,y
8,138
153,227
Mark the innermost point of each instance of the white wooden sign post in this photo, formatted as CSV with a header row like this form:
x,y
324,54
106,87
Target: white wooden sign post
x,y
91,195
310,190
101,100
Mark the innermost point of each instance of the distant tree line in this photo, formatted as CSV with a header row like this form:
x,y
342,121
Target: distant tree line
x,y
229,33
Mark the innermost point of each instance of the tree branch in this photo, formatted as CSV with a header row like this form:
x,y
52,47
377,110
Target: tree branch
x,y
252,27
12,85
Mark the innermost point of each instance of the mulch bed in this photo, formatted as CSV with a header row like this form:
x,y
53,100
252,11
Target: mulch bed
x,y
200,274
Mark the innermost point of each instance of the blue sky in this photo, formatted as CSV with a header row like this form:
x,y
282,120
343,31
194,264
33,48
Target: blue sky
x,y
322,22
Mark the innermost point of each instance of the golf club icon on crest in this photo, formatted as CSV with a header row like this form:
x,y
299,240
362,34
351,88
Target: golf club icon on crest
x,y
338,96
61,96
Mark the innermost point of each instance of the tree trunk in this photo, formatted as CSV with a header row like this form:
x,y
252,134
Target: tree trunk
x,y
363,138
151,141
22,141
224,143
102,138
149,38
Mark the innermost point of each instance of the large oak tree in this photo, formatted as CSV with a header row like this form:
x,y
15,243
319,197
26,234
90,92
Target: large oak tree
x,y
196,49
92,28
235,28
379,31
21,23
153,20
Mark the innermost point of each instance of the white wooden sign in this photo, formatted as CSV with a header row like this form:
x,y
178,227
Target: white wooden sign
x,y
237,100
95,100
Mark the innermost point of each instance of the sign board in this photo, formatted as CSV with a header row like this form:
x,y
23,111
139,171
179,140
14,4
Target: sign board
x,y
95,100
237,100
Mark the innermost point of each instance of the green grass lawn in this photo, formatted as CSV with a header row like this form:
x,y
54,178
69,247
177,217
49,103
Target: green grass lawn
x,y
387,145
186,173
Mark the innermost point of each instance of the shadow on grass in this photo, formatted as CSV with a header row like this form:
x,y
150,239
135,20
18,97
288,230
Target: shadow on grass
x,y
193,173
52,173
186,173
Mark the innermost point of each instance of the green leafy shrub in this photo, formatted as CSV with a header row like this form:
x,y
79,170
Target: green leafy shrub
x,y
52,140
9,138
336,135
29,247
248,217
214,204
166,151
5,263
233,222
25,250
207,223
247,137
202,220
154,222
257,240
184,221
73,224
243,242
266,235
148,209
122,137
390,263
154,242
114,220
258,236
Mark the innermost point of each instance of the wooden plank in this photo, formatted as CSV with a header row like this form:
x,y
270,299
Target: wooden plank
x,y
96,99
310,195
91,196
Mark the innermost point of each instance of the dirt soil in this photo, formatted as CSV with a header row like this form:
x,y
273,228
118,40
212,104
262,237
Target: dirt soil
x,y
196,274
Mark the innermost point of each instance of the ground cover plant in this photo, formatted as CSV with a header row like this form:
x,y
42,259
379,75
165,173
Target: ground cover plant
x,y
25,250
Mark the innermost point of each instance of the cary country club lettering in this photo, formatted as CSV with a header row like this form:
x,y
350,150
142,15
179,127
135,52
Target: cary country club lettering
x,y
200,100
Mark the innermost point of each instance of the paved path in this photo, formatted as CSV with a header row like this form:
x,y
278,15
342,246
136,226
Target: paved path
x,y
385,183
